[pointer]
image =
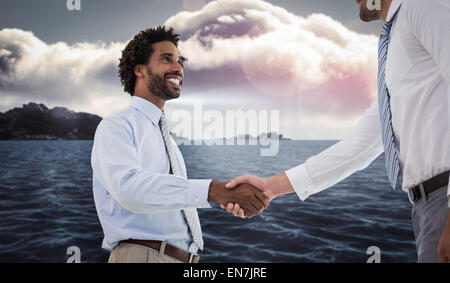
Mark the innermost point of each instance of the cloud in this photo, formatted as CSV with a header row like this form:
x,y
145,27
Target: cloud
x,y
316,58
82,76
256,52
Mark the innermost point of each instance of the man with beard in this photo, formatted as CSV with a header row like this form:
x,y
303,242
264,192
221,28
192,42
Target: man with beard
x,y
145,203
410,122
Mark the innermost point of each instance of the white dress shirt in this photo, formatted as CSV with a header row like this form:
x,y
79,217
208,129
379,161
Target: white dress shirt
x,y
134,194
418,80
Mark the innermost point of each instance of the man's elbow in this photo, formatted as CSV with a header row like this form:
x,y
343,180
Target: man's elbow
x,y
126,194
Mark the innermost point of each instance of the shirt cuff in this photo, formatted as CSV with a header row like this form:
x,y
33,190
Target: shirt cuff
x,y
300,181
198,193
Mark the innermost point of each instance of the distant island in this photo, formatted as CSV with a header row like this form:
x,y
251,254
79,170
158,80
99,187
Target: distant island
x,y
246,138
35,121
271,135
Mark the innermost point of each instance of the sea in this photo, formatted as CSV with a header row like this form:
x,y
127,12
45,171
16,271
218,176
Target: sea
x,y
47,208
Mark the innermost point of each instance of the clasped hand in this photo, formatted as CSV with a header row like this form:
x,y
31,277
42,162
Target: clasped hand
x,y
238,208
251,199
270,187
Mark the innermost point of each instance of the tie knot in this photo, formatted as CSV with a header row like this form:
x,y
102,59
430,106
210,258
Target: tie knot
x,y
162,119
386,29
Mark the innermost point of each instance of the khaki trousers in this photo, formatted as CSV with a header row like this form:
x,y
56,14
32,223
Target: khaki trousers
x,y
133,253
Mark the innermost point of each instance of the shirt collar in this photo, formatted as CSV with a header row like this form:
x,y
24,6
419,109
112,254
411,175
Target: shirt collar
x,y
395,5
149,109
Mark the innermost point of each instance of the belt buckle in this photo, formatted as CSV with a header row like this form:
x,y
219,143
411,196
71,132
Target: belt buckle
x,y
414,194
162,248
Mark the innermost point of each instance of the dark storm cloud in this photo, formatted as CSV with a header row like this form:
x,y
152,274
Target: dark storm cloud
x,y
9,54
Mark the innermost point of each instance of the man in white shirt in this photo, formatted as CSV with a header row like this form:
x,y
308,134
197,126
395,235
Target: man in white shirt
x,y
415,75
145,203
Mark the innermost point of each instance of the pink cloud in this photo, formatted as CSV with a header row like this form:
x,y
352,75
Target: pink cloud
x,y
330,68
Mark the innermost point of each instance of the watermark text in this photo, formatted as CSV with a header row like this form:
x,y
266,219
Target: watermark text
x,y
73,5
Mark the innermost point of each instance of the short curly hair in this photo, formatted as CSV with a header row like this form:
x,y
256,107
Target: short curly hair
x,y
139,50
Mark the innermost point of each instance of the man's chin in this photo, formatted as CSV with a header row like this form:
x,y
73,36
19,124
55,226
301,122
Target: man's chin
x,y
367,17
173,95
364,19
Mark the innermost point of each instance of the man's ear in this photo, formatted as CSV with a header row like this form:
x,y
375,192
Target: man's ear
x,y
139,71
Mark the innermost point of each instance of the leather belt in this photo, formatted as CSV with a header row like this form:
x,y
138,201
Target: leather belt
x,y
167,249
429,186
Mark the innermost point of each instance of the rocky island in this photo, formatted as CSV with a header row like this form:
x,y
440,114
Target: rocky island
x,y
35,121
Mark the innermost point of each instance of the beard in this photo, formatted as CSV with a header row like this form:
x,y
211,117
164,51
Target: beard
x,y
368,15
157,86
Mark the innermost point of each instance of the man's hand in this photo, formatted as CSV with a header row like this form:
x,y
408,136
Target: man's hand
x,y
271,187
444,243
251,200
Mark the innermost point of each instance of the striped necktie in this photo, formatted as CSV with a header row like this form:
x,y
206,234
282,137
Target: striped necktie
x,y
390,150
190,214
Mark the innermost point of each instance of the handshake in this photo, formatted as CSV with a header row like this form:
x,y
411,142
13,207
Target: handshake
x,y
248,195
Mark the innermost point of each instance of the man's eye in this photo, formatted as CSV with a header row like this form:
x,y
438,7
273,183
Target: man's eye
x,y
182,61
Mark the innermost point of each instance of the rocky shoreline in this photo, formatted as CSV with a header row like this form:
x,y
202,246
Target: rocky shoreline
x,y
35,121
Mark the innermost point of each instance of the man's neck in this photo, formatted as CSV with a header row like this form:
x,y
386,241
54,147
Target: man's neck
x,y
384,12
159,102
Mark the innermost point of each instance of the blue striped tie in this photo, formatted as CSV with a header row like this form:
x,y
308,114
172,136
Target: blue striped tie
x,y
392,161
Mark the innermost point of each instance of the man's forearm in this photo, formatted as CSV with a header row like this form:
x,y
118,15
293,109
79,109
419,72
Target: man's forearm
x,y
279,185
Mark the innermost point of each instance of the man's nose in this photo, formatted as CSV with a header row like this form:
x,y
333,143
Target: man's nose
x,y
176,67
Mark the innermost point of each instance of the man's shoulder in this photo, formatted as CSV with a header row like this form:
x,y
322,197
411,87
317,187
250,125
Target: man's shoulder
x,y
121,117
420,6
423,3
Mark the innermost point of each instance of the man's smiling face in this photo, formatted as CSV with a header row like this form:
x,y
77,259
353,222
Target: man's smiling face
x,y
165,74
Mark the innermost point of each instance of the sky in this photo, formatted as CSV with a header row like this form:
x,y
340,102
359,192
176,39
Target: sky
x,y
312,61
